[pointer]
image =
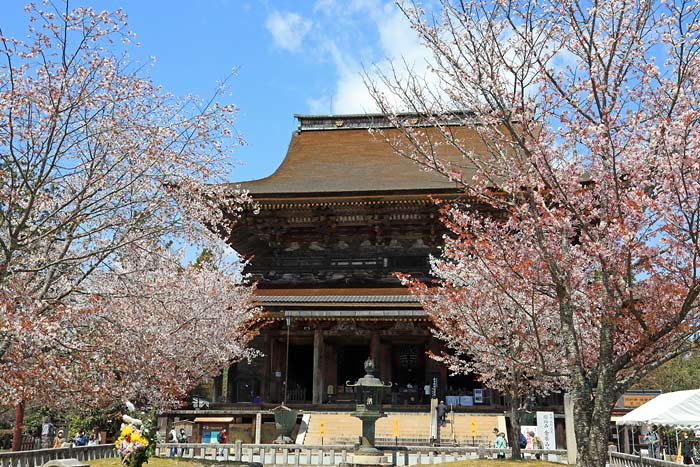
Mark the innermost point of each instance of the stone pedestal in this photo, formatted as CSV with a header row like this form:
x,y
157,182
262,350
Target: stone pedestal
x,y
365,453
369,391
367,461
369,419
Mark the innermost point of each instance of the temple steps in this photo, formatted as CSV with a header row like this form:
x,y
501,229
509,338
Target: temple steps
x,y
457,428
343,428
414,428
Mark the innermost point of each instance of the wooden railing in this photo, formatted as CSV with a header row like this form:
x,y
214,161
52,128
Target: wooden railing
x,y
330,455
38,457
618,459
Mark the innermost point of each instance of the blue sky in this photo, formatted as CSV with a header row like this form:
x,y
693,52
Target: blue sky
x,y
291,57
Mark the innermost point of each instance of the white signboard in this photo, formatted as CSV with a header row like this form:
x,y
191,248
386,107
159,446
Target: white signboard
x,y
545,429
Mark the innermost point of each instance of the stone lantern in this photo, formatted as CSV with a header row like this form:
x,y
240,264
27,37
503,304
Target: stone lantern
x,y
369,390
285,421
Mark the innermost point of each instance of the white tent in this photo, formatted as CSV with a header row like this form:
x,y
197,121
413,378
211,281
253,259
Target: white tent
x,y
680,409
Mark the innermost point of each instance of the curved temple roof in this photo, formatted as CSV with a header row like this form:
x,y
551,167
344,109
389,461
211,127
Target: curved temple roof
x,y
337,154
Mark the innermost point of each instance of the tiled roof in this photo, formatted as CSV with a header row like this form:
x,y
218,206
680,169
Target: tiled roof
x,y
356,313
275,299
350,159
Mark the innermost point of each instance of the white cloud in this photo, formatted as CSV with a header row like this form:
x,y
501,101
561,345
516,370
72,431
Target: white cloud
x,y
397,44
355,36
288,29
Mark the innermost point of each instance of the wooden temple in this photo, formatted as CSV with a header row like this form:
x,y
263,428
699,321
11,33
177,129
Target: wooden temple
x,y
341,215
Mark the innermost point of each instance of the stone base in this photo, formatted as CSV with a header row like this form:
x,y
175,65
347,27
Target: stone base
x,y
64,463
281,439
355,460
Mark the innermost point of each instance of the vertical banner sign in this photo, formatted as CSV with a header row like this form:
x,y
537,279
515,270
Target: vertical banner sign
x,y
545,429
322,428
396,428
472,427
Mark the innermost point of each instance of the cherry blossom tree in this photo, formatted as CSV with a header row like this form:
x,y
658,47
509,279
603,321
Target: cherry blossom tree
x,y
509,340
100,170
587,164
148,330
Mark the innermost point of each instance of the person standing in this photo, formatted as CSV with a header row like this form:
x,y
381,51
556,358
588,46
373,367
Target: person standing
x,y
58,439
182,438
172,438
536,444
652,441
686,449
95,438
501,444
80,438
222,438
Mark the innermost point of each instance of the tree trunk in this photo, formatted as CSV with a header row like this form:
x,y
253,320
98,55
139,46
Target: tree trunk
x,y
515,421
593,451
592,411
594,391
19,424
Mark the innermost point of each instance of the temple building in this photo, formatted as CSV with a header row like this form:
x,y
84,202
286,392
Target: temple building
x,y
341,215
333,225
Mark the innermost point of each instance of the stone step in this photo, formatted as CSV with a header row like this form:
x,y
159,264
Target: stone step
x,y
458,428
346,429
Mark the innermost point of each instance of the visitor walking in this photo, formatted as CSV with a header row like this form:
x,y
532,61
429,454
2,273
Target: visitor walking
x,y
501,444
222,438
441,412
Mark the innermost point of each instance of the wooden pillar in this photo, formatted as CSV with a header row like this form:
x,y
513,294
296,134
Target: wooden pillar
x,y
330,365
317,389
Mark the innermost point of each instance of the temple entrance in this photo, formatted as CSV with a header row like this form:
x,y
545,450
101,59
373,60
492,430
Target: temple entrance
x,y
465,391
301,372
408,374
245,390
351,359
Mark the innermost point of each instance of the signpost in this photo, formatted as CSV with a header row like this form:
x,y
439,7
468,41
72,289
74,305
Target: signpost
x,y
322,429
545,429
472,429
396,431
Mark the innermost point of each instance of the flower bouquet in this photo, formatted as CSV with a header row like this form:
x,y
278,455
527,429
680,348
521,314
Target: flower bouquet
x,y
135,443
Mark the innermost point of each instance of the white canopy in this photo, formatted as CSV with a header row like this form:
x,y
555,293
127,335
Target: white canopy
x,y
680,409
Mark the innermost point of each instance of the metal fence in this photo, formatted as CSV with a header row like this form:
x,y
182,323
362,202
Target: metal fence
x,y
330,455
618,459
38,457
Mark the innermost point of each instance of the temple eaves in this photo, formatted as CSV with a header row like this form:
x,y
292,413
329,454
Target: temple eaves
x,y
380,121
